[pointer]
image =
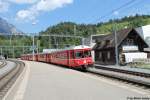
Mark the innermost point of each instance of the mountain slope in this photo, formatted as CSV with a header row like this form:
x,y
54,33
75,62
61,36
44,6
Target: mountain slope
x,y
6,28
70,28
126,22
100,28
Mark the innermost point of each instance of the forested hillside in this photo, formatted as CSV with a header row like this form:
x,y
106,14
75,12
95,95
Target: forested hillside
x,y
70,28
100,28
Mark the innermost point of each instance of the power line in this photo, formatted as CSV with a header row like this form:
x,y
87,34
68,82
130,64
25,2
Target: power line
x,y
140,2
129,4
45,35
117,9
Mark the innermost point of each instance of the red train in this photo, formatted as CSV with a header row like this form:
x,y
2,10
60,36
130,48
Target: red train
x,y
74,57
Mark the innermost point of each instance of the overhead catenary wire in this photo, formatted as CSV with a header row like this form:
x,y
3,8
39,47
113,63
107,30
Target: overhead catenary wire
x,y
117,9
123,7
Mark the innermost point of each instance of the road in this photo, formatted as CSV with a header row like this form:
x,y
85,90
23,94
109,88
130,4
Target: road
x,y
48,82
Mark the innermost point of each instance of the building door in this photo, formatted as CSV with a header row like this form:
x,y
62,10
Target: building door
x,y
103,57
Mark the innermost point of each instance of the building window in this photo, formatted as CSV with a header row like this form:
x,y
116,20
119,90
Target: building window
x,y
108,55
99,43
100,55
130,42
107,42
93,41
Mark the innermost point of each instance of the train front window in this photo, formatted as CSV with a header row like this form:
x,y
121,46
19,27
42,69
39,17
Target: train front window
x,y
87,53
79,54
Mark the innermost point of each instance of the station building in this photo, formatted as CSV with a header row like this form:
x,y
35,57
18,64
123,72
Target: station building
x,y
130,44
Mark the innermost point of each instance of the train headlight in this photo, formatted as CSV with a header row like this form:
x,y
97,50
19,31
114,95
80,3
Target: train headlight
x,y
84,61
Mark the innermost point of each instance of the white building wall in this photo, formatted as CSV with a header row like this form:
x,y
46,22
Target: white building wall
x,y
144,31
89,42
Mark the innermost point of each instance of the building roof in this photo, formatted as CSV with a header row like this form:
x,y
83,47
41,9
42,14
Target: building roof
x,y
108,41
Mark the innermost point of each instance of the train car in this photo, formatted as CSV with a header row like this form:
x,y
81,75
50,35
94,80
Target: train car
x,y
23,57
43,57
29,57
35,57
73,57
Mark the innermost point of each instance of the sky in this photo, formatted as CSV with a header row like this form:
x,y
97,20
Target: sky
x,y
33,16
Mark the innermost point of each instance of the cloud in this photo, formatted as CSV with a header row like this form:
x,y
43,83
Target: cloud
x,y
39,7
26,15
48,5
23,1
4,6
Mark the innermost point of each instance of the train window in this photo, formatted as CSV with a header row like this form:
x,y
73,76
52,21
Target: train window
x,y
71,55
79,54
87,53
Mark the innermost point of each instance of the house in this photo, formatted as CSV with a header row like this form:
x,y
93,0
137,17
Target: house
x,y
91,42
129,42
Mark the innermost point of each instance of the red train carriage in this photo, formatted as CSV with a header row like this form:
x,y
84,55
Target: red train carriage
x,y
29,57
44,57
74,57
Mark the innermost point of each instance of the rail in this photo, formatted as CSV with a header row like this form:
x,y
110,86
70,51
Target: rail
x,y
138,77
8,75
126,70
3,63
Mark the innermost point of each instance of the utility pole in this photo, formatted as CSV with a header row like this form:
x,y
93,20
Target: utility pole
x,y
55,42
33,47
1,51
75,32
83,41
13,52
10,39
116,44
37,47
23,49
49,41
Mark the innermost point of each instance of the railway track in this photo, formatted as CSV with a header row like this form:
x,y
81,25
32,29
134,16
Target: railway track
x,y
135,77
3,63
8,75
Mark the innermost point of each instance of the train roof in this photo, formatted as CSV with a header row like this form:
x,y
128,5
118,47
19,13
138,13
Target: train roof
x,y
68,48
73,48
79,47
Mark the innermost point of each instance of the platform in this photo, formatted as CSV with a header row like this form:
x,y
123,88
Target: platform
x,y
49,82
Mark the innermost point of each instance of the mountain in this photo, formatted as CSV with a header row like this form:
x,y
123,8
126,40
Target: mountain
x,y
7,28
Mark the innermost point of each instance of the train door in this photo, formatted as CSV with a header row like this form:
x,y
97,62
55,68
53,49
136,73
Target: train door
x,y
36,57
48,57
71,58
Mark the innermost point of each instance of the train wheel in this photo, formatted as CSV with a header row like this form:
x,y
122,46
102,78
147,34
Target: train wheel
x,y
84,68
